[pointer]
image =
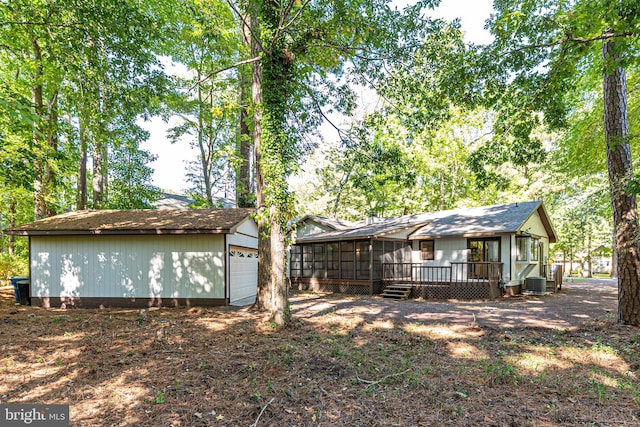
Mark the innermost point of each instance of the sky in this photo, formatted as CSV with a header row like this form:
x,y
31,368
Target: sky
x,y
169,168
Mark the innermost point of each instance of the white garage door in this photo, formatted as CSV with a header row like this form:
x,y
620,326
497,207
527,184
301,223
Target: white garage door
x,y
243,275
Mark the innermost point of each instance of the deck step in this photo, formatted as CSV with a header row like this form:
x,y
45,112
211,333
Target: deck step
x,y
398,292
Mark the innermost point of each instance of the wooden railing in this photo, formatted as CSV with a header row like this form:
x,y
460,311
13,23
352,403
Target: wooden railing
x,y
554,273
455,273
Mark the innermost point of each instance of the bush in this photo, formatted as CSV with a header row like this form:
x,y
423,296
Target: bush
x,y
13,266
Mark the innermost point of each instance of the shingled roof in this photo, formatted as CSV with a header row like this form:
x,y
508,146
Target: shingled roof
x,y
333,223
378,228
484,220
113,222
478,221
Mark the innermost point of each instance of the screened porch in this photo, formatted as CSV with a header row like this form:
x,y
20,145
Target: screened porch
x,y
347,266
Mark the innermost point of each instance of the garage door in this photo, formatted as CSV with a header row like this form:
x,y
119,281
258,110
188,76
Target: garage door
x,y
243,275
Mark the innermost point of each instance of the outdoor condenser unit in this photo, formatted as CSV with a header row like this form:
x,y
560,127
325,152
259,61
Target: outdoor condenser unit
x,y
536,285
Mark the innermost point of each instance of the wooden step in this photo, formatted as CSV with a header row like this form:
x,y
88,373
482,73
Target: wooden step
x,y
397,292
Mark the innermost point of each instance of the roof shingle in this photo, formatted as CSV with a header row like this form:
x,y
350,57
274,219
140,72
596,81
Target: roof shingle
x,y
178,221
477,221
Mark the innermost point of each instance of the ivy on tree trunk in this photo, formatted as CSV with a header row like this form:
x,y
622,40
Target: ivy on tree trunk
x,y
271,78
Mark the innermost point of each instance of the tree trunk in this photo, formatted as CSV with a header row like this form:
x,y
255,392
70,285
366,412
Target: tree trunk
x,y
82,194
589,263
244,196
625,215
38,103
614,257
99,155
45,140
205,149
279,288
270,82
263,296
13,213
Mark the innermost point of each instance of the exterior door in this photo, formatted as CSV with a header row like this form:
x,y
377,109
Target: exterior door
x,y
480,251
243,275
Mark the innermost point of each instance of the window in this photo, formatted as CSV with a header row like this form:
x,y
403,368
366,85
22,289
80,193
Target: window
x,y
528,248
363,260
484,250
427,250
535,249
319,270
296,261
522,246
307,260
346,260
333,261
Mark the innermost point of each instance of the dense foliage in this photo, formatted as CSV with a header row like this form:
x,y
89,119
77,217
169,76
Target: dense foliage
x,y
443,123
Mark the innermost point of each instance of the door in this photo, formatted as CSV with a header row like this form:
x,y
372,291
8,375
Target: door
x,y
243,275
481,251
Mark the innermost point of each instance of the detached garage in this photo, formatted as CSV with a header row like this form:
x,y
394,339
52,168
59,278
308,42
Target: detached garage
x,y
143,258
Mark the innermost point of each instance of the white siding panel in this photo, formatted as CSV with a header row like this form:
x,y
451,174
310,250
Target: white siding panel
x,y
128,266
311,227
454,249
242,240
248,228
402,234
534,226
445,251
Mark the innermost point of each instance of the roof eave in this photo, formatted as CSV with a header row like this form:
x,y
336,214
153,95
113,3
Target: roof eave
x,y
136,232
461,235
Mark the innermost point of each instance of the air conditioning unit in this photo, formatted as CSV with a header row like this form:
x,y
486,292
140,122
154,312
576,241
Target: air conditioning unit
x,y
536,285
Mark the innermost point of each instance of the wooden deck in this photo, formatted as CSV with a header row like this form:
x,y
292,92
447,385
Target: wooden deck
x,y
460,280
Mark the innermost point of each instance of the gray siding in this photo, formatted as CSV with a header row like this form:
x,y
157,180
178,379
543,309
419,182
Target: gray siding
x,y
128,266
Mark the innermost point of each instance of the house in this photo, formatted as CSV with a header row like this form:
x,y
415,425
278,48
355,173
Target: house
x,y
142,258
177,201
462,253
172,201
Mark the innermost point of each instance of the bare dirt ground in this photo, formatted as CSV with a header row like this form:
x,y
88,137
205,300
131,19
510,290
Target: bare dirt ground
x,y
557,360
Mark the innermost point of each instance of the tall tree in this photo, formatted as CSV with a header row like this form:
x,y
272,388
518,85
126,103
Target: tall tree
x,y
89,69
541,50
295,46
245,194
206,101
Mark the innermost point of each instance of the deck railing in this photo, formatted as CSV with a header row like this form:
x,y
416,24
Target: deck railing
x,y
553,273
455,273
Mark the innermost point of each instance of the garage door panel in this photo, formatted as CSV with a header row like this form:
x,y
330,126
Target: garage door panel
x,y
243,273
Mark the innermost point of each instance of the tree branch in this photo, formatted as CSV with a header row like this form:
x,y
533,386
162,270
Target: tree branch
x,y
341,133
43,24
236,65
295,17
372,383
571,39
346,49
283,15
7,47
245,24
255,424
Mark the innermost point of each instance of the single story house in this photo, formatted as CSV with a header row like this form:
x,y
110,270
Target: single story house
x,y
461,253
143,258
